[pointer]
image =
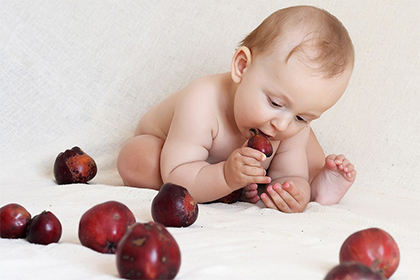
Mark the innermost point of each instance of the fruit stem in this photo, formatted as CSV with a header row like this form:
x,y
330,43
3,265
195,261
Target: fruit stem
x,y
375,266
111,247
253,130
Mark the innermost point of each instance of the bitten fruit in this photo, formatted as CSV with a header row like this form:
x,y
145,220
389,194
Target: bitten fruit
x,y
74,166
260,143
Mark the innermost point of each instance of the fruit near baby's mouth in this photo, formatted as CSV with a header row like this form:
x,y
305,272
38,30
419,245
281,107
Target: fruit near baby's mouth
x,y
260,143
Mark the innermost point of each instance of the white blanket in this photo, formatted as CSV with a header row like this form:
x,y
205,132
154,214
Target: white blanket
x,y
82,73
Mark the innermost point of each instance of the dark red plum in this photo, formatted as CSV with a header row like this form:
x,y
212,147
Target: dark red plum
x,y
102,226
44,229
231,198
148,251
372,247
74,166
173,206
260,143
353,271
13,221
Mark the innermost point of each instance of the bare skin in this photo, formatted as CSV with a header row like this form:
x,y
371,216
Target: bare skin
x,y
197,137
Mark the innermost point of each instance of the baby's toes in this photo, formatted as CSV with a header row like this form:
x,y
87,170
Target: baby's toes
x,y
340,159
351,176
330,162
348,167
250,187
331,157
250,194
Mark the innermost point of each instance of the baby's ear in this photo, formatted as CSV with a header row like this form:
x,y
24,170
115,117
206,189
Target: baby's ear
x,y
241,60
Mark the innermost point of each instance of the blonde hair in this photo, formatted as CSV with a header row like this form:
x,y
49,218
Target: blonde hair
x,y
327,40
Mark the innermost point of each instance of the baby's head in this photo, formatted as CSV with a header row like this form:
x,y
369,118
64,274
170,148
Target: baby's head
x,y
290,70
317,37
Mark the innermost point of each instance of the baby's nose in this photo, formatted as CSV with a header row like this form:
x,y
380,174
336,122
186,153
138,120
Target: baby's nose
x,y
281,124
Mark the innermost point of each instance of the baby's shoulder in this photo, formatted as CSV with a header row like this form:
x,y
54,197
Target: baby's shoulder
x,y
206,90
208,85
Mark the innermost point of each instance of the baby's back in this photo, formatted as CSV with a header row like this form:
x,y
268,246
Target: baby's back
x,y
158,119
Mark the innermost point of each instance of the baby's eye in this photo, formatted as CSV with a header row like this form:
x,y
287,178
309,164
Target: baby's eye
x,y
275,104
301,119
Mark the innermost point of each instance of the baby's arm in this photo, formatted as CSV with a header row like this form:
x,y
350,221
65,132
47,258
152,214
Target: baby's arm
x,y
290,190
184,158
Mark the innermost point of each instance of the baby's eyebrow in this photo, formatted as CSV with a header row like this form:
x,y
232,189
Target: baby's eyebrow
x,y
312,116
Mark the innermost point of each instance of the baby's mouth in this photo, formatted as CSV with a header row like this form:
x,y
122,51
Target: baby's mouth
x,y
256,131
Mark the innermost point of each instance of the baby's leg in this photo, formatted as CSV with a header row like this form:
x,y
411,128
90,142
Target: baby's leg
x,y
139,162
330,177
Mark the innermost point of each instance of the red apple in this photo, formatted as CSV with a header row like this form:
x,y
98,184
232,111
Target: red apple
x,y
353,271
173,206
372,247
260,143
13,221
148,251
232,197
102,226
74,166
44,229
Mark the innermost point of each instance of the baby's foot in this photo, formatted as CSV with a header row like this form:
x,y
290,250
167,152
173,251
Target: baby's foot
x,y
250,194
333,181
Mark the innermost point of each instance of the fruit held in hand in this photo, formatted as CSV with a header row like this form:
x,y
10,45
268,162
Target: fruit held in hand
x,y
102,226
44,229
353,271
148,251
372,247
74,166
260,143
13,221
232,197
173,206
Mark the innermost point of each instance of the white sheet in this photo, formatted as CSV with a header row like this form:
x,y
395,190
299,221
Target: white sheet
x,y
83,72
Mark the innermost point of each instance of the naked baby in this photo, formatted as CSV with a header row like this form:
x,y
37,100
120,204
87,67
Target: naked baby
x,y
285,74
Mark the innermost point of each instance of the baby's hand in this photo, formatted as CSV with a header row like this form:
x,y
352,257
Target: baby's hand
x,y
287,197
243,167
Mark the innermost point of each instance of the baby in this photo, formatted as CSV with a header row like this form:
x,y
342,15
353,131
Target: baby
x,y
292,68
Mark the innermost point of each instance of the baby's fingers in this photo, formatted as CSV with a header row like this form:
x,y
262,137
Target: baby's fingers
x,y
286,198
275,200
295,193
252,153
